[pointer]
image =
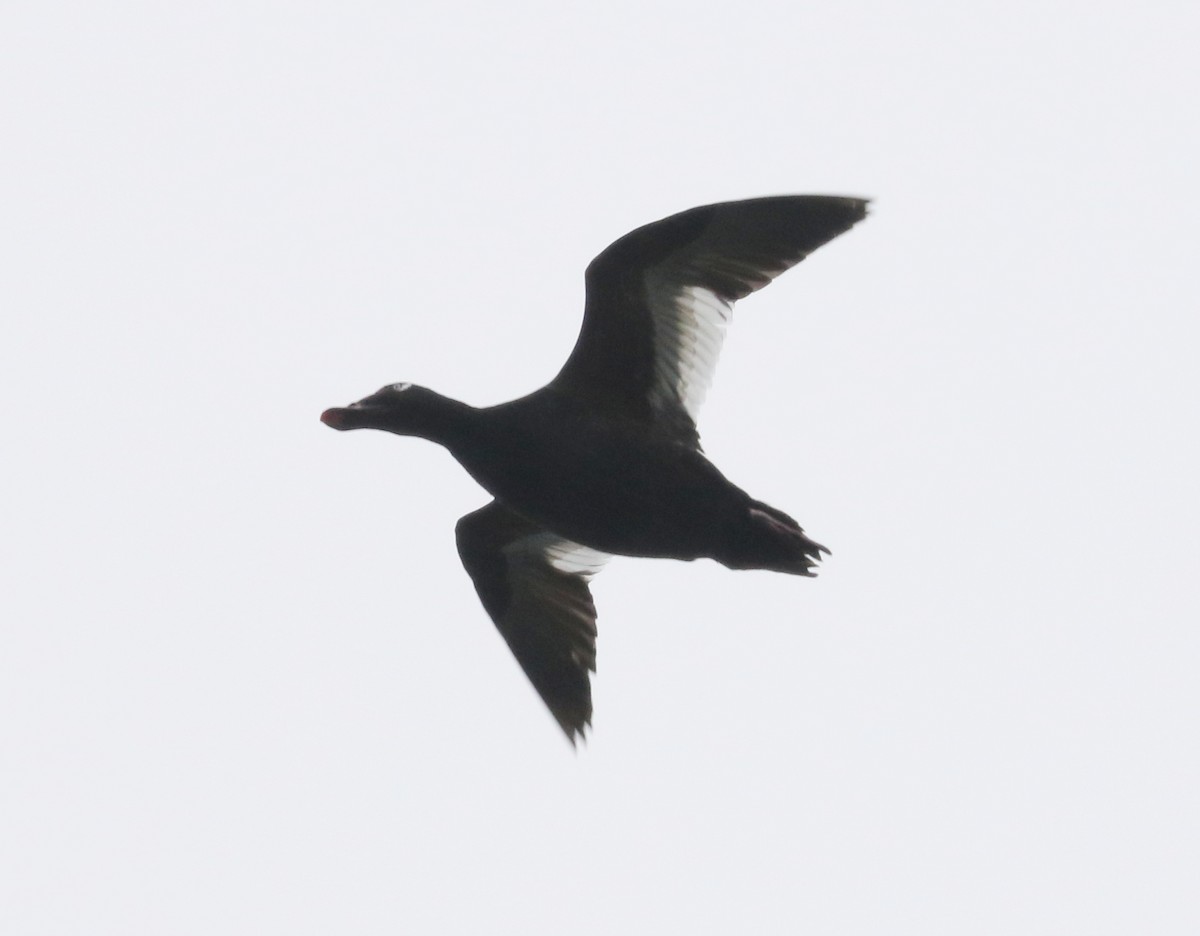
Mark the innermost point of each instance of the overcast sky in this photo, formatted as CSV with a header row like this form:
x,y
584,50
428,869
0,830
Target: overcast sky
x,y
246,685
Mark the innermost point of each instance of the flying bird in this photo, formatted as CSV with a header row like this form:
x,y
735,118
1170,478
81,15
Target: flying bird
x,y
605,459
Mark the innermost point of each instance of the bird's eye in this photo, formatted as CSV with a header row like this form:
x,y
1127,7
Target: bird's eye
x,y
399,387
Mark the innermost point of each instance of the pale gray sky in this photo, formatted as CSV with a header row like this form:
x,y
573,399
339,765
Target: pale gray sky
x,y
245,684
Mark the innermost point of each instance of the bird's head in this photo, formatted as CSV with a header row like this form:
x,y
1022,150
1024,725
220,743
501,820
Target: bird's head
x,y
402,408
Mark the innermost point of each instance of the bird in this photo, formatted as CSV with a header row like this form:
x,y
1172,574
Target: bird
x,y
605,459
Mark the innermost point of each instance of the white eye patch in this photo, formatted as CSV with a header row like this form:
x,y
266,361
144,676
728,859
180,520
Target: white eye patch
x,y
399,387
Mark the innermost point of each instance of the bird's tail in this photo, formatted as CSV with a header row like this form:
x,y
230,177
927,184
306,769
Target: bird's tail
x,y
767,538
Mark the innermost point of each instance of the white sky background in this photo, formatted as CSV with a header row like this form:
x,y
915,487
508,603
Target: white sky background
x,y
245,684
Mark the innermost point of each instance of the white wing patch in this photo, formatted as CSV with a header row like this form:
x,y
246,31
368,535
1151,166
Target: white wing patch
x,y
689,329
564,555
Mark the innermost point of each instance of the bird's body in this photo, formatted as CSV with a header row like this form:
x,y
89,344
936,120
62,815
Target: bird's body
x,y
605,460
653,497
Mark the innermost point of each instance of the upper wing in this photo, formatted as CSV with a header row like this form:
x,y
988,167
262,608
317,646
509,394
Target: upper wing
x,y
658,301
534,586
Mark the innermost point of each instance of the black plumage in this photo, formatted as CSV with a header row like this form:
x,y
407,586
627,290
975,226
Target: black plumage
x,y
605,459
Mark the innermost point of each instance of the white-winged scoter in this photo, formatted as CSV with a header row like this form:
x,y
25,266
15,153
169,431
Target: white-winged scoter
x,y
605,459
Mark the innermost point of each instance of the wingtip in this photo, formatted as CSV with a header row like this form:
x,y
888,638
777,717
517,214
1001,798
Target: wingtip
x,y
859,206
575,732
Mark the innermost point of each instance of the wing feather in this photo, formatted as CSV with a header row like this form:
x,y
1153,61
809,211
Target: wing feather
x,y
534,586
660,298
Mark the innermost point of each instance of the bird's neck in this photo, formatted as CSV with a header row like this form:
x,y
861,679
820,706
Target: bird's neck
x,y
443,420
